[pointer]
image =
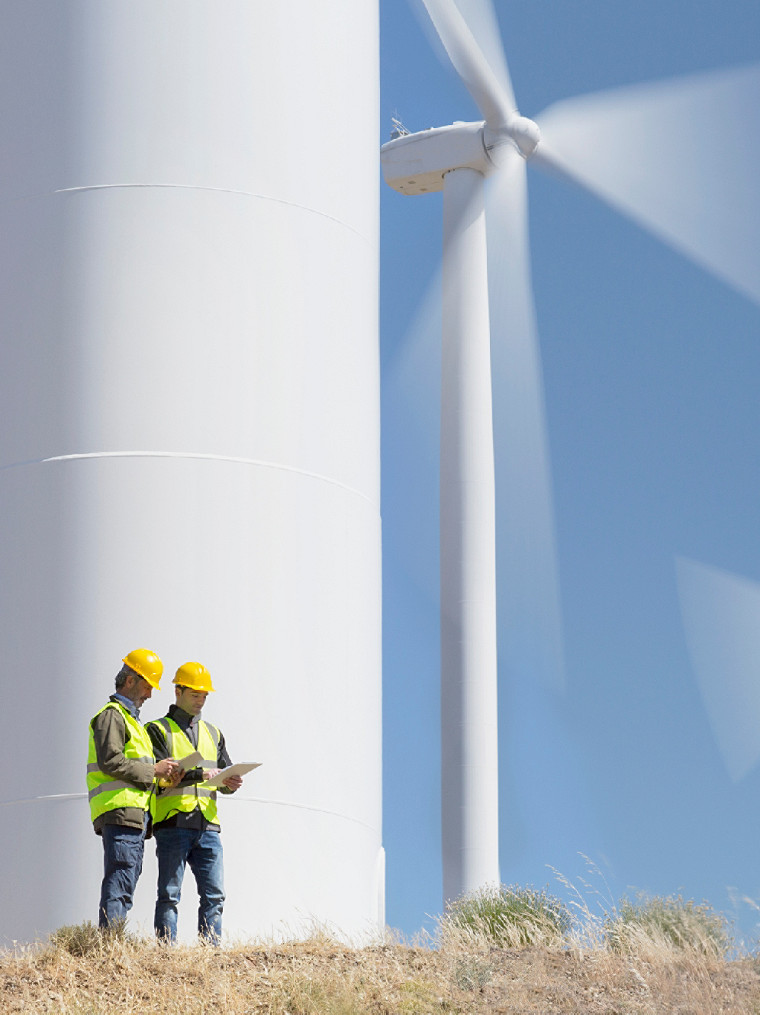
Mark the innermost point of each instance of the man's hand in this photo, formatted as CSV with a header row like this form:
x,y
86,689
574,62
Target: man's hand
x,y
209,773
176,779
233,782
166,769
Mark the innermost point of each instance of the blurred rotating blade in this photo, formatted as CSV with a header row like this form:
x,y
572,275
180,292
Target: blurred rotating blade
x,y
411,415
493,97
483,24
721,617
530,628
680,157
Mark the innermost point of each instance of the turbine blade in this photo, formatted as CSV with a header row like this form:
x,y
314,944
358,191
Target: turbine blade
x,y
721,617
528,599
679,157
483,24
494,98
411,413
530,628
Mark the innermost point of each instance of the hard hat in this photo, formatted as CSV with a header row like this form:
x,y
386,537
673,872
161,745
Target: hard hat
x,y
195,676
147,664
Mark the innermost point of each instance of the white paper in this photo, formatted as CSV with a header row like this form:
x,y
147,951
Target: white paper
x,y
191,761
240,769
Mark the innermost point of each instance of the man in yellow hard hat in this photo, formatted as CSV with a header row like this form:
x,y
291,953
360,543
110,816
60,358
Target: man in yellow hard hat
x,y
186,825
121,770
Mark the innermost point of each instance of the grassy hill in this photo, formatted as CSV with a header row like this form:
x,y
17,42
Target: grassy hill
x,y
320,977
509,950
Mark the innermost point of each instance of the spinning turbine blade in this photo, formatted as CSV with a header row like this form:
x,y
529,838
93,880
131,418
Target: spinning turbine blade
x,y
530,625
680,157
721,616
494,99
484,26
411,413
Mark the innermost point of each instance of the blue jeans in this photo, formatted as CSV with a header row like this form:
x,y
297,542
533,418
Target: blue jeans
x,y
176,847
123,849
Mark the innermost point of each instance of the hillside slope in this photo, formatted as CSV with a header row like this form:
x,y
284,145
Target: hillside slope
x,y
320,977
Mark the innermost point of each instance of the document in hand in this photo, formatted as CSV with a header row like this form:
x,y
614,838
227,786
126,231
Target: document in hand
x,y
193,760
240,769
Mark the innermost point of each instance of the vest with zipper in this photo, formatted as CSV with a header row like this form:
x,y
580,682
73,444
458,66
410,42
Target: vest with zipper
x,y
184,799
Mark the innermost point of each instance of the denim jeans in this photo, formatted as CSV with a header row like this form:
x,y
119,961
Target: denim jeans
x,y
176,847
123,849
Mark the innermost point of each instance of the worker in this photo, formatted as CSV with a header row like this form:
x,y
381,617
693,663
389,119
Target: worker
x,y
121,771
186,824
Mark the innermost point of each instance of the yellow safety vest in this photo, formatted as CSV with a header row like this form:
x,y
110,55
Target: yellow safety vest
x,y
186,798
106,793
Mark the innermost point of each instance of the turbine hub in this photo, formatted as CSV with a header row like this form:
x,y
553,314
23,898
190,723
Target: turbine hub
x,y
521,132
526,134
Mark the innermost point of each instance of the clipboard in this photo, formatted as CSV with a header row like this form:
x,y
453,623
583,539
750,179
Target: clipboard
x,y
240,769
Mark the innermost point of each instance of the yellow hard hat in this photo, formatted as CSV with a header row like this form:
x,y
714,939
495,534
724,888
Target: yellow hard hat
x,y
195,676
147,664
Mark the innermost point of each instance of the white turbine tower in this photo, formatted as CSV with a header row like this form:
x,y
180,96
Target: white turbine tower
x,y
189,433
645,150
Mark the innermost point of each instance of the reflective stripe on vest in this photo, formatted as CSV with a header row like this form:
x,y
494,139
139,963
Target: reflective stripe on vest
x,y
106,793
186,798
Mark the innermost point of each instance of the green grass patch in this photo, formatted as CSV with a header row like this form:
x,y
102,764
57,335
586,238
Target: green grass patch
x,y
671,922
508,916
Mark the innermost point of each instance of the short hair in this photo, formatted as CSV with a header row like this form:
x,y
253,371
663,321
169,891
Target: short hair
x,y
121,676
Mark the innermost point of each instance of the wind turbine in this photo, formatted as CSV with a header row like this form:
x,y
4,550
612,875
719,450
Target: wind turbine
x,y
654,152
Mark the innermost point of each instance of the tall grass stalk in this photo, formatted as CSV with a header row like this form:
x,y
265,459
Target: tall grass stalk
x,y
656,924
591,906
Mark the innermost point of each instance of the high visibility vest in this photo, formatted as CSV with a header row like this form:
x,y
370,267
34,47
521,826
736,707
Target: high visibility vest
x,y
183,799
106,793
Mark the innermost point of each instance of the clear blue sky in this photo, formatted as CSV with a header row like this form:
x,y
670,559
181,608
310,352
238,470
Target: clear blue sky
x,y
651,371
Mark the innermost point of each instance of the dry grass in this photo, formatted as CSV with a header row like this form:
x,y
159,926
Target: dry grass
x,y
321,977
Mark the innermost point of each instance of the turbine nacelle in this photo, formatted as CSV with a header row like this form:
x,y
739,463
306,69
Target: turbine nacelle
x,y
417,163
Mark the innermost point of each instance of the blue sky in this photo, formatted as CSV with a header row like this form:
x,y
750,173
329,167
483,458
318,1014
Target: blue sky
x,y
650,373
